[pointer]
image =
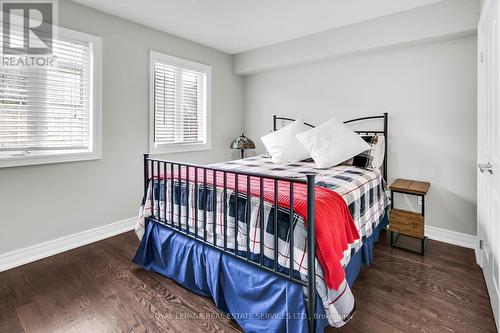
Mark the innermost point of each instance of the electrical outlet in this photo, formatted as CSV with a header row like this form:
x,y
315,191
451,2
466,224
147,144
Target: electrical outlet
x,y
419,201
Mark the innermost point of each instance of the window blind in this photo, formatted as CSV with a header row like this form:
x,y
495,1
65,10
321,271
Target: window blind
x,y
179,105
47,107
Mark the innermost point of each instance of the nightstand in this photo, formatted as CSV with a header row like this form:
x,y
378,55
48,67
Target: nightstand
x,y
404,221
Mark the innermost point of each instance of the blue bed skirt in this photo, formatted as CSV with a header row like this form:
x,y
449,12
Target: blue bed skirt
x,y
257,300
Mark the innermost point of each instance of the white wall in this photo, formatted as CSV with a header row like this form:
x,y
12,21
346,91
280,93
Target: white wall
x,y
430,93
435,22
428,90
41,203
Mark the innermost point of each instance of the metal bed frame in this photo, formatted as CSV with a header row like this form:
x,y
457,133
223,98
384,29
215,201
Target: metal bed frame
x,y
154,167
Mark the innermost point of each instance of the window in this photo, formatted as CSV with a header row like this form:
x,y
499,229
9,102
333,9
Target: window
x,y
179,105
52,112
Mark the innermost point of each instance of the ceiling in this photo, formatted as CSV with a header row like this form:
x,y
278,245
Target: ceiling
x,y
235,26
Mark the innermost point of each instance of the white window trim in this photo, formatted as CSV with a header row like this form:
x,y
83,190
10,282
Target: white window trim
x,y
182,147
95,116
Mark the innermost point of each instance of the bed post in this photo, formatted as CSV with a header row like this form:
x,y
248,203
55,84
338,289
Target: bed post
x,y
146,176
274,122
386,131
311,254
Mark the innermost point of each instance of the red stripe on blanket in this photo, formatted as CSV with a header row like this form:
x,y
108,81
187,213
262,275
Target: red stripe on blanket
x,y
334,226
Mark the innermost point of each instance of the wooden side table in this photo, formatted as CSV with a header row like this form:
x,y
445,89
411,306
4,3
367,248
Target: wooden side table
x,y
404,221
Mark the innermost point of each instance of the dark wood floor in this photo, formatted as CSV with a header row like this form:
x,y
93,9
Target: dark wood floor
x,y
96,289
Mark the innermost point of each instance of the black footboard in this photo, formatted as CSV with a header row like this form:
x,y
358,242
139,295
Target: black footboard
x,y
163,176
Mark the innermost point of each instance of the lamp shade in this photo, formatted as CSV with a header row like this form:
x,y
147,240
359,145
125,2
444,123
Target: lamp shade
x,y
242,142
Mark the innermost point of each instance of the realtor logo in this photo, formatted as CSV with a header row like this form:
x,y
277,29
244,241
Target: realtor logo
x,y
28,27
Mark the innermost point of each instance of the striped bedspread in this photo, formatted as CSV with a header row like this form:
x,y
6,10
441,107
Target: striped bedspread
x,y
363,190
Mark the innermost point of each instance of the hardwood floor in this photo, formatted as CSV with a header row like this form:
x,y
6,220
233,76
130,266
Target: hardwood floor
x,y
96,288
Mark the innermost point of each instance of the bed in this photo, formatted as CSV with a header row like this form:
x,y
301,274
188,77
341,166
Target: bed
x,y
202,226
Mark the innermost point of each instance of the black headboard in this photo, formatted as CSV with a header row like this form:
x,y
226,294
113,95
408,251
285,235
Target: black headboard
x,y
384,117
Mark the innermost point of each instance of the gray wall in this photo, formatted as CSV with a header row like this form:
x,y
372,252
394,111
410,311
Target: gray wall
x,y
41,203
435,22
430,93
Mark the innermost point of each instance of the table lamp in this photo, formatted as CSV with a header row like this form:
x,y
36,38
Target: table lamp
x,y
242,143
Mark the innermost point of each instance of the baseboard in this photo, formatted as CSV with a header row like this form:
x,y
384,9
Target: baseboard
x,y
43,250
451,237
46,249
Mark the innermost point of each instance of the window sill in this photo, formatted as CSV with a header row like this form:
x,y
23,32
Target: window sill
x,y
36,158
179,148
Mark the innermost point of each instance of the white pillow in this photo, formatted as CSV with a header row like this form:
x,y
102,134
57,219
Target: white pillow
x,y
372,158
283,145
378,152
332,143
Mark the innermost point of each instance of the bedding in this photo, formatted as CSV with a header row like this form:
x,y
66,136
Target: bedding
x,y
264,306
363,192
